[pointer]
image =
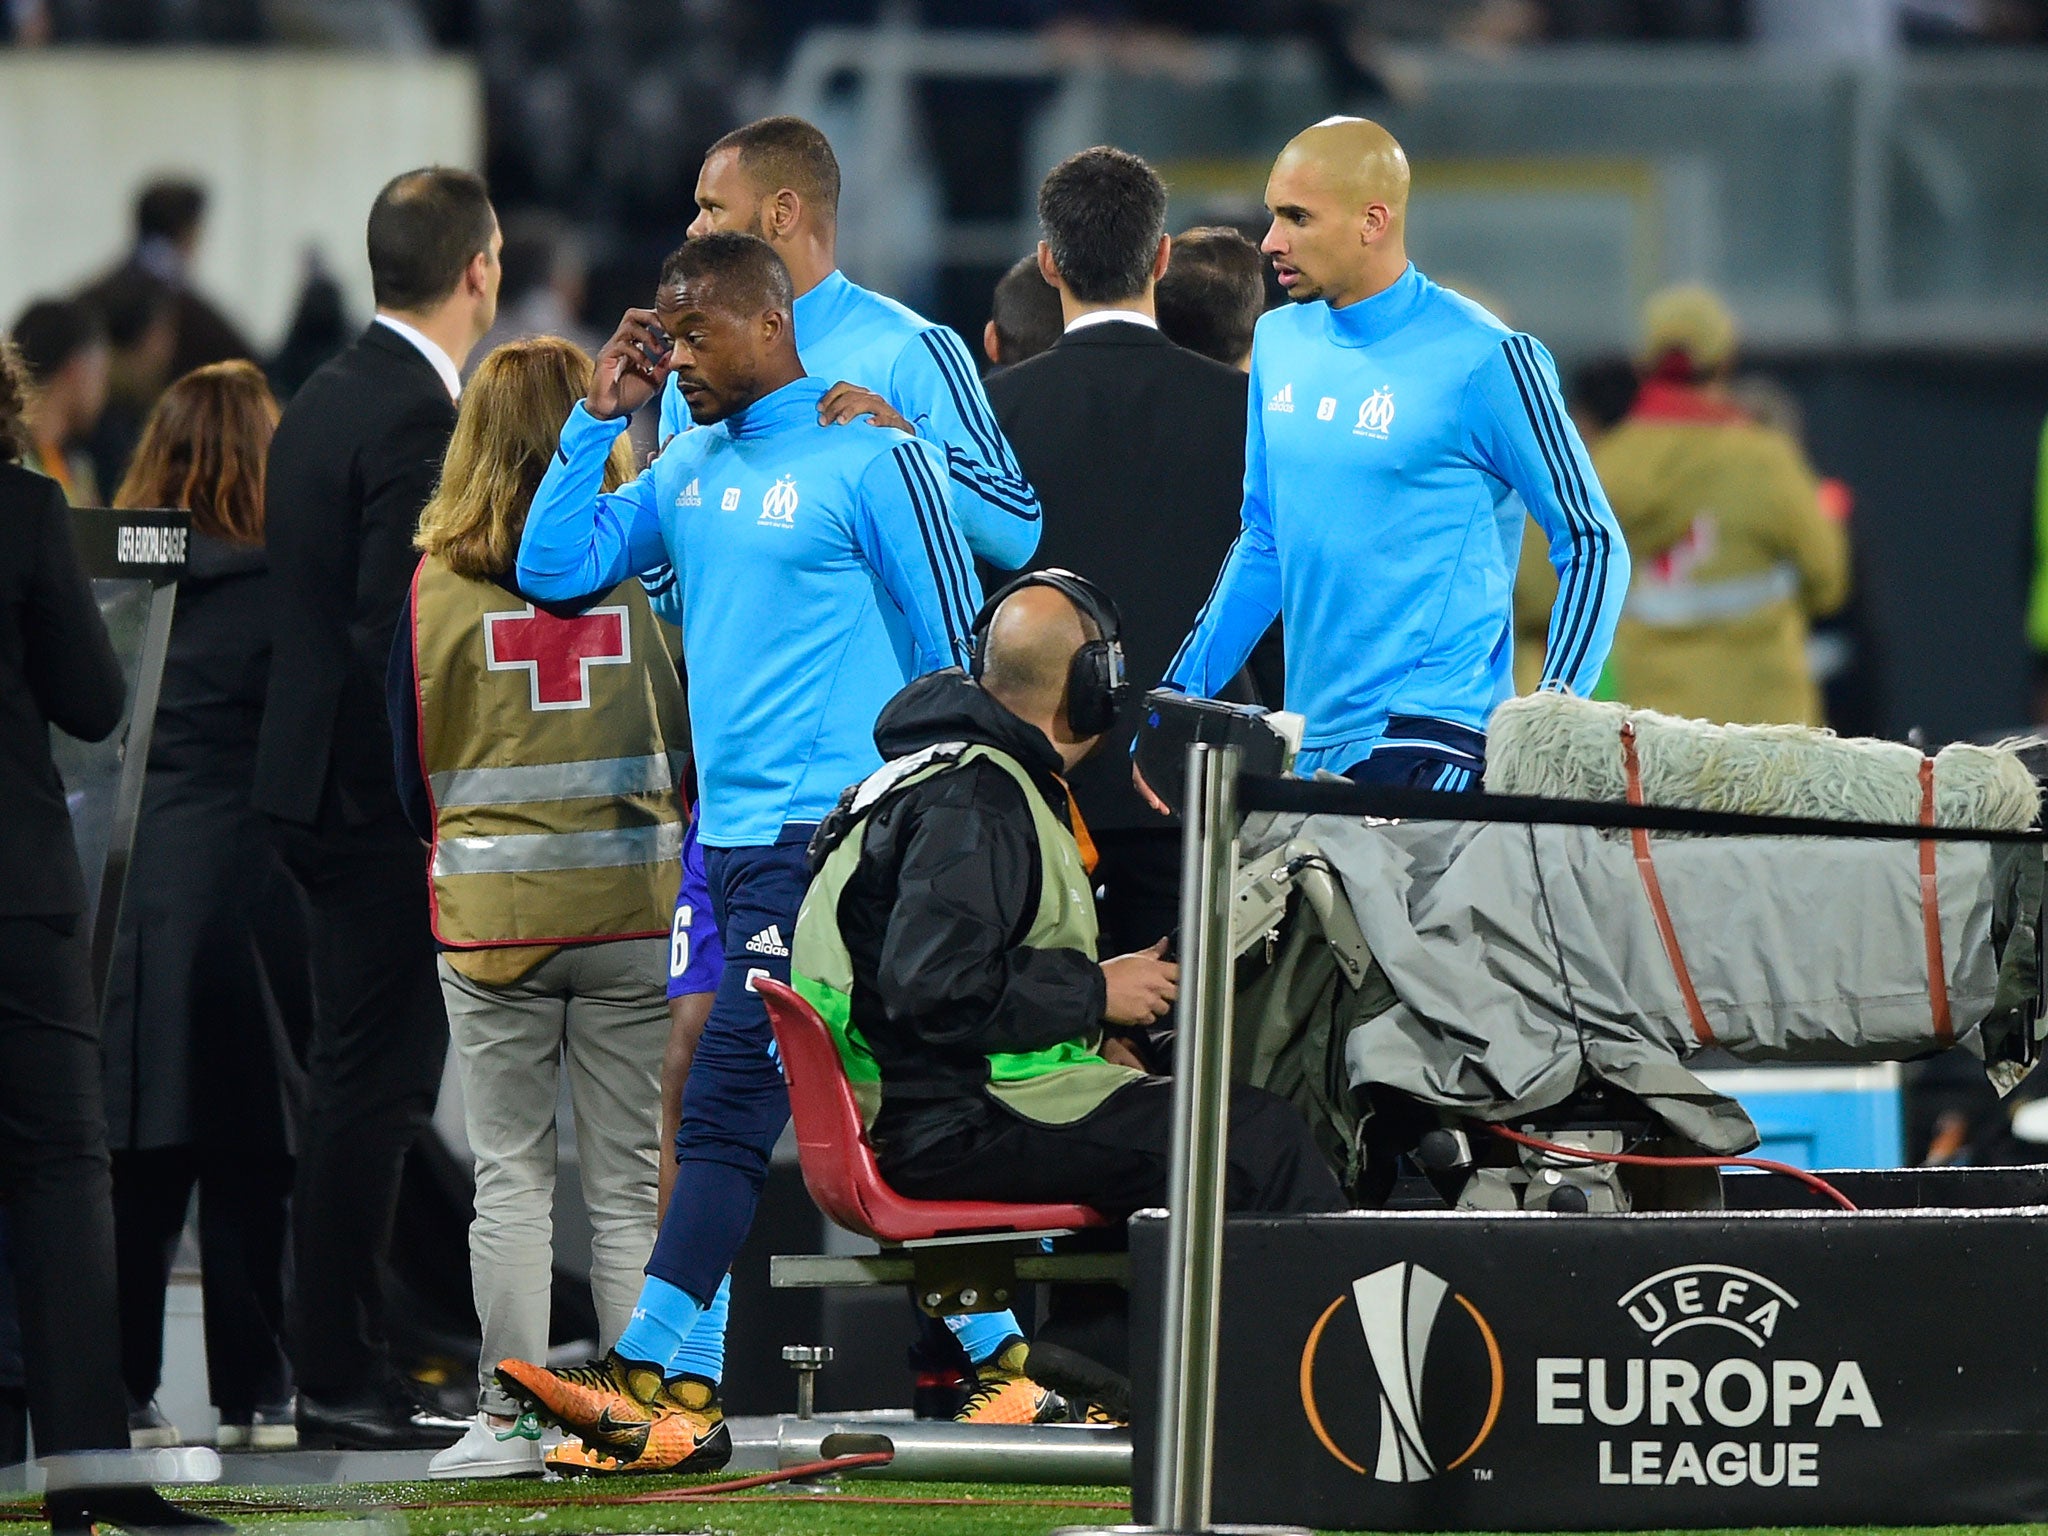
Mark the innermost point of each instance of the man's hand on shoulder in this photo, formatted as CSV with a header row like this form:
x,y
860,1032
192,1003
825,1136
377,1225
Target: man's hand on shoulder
x,y
846,402
631,369
1139,988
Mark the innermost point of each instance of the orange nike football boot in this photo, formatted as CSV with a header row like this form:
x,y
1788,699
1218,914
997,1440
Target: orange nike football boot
x,y
682,1440
608,1403
1003,1394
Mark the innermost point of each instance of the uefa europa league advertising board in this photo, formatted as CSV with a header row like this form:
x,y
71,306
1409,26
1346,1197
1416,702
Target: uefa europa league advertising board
x,y
1412,1371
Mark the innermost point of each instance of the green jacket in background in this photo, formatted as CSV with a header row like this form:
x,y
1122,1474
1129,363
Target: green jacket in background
x,y
2037,602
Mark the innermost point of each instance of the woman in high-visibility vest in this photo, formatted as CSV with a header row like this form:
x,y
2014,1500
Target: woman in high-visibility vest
x,y
538,754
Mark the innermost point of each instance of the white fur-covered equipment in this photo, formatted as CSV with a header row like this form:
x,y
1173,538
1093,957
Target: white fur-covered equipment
x,y
1553,744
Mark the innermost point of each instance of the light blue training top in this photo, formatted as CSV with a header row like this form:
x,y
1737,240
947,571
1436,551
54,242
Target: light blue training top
x,y
1391,449
789,538
846,333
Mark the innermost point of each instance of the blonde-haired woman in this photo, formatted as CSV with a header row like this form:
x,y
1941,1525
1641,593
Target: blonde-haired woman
x,y
536,755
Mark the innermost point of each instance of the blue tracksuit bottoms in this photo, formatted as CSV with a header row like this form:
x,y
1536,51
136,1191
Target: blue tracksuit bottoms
x,y
735,1102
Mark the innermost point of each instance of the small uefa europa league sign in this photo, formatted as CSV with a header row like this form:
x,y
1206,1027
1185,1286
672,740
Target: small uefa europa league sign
x,y
116,544
149,543
1475,1371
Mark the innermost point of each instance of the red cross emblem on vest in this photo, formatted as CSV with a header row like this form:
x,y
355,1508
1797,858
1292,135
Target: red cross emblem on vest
x,y
557,654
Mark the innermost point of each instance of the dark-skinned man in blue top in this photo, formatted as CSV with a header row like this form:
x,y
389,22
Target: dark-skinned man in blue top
x,y
787,535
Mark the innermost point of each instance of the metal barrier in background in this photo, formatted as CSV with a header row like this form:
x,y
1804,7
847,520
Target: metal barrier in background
x,y
1875,202
134,560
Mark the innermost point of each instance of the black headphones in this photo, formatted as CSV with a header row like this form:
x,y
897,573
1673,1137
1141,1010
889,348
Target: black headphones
x,y
1096,685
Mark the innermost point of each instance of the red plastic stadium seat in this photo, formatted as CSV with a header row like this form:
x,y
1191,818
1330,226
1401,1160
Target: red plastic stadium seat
x,y
839,1165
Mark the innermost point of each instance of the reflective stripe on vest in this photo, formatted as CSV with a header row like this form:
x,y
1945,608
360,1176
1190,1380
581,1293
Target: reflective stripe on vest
x,y
655,773
550,747
1683,604
1055,1086
520,852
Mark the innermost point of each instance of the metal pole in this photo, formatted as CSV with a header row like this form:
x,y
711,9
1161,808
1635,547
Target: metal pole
x,y
941,1451
1194,1229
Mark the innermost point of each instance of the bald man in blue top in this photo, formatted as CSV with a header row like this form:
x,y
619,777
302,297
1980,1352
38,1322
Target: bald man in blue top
x,y
1396,433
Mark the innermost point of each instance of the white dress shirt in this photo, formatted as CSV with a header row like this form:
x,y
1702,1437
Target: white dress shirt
x,y
428,348
1104,316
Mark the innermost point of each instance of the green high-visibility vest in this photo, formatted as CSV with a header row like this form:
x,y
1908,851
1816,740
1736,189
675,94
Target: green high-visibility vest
x,y
1054,1086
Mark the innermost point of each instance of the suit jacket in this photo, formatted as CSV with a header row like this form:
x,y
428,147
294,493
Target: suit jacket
x,y
1136,449
57,667
354,461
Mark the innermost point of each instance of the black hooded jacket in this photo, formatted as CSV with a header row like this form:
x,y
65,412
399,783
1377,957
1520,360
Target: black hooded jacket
x,y
935,915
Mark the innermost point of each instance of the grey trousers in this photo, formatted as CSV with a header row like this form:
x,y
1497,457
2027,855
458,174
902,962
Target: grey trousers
x,y
604,1009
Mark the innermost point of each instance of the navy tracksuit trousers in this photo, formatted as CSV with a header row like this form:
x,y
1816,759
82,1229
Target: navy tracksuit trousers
x,y
735,1102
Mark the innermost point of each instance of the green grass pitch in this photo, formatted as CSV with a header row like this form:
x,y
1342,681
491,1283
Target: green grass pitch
x,y
847,1506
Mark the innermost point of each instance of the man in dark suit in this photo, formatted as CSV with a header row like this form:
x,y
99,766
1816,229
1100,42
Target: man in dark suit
x,y
56,668
1137,450
354,460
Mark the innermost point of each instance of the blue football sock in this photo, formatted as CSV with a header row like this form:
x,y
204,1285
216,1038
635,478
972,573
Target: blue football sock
x,y
703,1352
983,1334
662,1319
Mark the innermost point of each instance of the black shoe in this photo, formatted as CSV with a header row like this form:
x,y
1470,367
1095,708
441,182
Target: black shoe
x,y
373,1421
139,1511
1080,1380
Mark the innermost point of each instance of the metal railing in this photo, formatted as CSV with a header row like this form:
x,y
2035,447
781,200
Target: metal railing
x,y
1836,203
1191,1310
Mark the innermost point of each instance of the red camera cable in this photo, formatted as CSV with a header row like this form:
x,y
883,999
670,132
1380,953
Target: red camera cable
x,y
1649,1160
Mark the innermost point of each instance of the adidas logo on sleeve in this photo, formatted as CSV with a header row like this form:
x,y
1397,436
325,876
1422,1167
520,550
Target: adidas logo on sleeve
x,y
769,942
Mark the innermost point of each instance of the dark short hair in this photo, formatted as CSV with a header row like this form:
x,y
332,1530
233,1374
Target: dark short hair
x,y
169,209
1102,211
778,152
1213,293
1026,312
745,274
51,332
424,229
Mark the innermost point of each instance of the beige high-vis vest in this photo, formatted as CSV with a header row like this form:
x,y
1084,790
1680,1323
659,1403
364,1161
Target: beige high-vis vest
x,y
551,748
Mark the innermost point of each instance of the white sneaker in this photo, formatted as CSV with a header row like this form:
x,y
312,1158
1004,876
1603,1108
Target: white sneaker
x,y
149,1430
492,1449
267,1429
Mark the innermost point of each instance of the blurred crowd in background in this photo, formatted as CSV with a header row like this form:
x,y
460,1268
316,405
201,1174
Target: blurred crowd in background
x,y
599,111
